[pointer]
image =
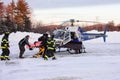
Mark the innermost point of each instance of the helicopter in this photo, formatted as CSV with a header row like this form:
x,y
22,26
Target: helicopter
x,y
72,37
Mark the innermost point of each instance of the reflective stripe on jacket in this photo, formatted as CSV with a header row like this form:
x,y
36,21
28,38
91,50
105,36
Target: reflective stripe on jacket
x,y
50,44
4,44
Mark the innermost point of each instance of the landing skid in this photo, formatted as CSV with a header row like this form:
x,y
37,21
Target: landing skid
x,y
75,47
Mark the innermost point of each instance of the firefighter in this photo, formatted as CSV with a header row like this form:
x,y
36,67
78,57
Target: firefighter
x,y
50,48
22,44
43,40
42,47
5,47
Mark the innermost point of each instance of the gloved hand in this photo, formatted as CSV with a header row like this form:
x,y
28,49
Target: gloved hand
x,y
30,48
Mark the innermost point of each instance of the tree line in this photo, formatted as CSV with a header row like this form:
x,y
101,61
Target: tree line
x,y
99,27
15,16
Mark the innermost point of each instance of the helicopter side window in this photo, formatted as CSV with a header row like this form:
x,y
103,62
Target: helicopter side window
x,y
59,34
72,35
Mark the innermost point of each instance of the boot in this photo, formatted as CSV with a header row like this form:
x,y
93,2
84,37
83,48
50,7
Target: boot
x,y
21,57
2,59
7,59
45,58
53,58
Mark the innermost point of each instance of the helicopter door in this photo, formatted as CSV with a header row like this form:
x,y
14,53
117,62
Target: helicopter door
x,y
67,37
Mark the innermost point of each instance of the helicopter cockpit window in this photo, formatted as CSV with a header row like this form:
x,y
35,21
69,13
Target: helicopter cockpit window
x,y
67,36
59,34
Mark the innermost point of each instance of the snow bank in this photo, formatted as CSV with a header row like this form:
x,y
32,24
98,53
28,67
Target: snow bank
x,y
101,62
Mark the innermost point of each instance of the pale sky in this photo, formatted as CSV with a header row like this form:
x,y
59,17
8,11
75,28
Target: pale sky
x,y
48,11
101,13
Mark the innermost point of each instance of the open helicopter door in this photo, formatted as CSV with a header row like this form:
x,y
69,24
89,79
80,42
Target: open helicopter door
x,y
67,37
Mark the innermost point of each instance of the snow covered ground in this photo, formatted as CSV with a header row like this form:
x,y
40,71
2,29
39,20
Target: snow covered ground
x,y
101,62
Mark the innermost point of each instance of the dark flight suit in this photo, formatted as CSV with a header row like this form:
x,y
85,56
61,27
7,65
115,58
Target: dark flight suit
x,y
22,44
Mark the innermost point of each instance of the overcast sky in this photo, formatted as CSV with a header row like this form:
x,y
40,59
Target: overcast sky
x,y
42,4
45,4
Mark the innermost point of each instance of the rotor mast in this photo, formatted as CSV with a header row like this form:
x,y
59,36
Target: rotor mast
x,y
72,22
